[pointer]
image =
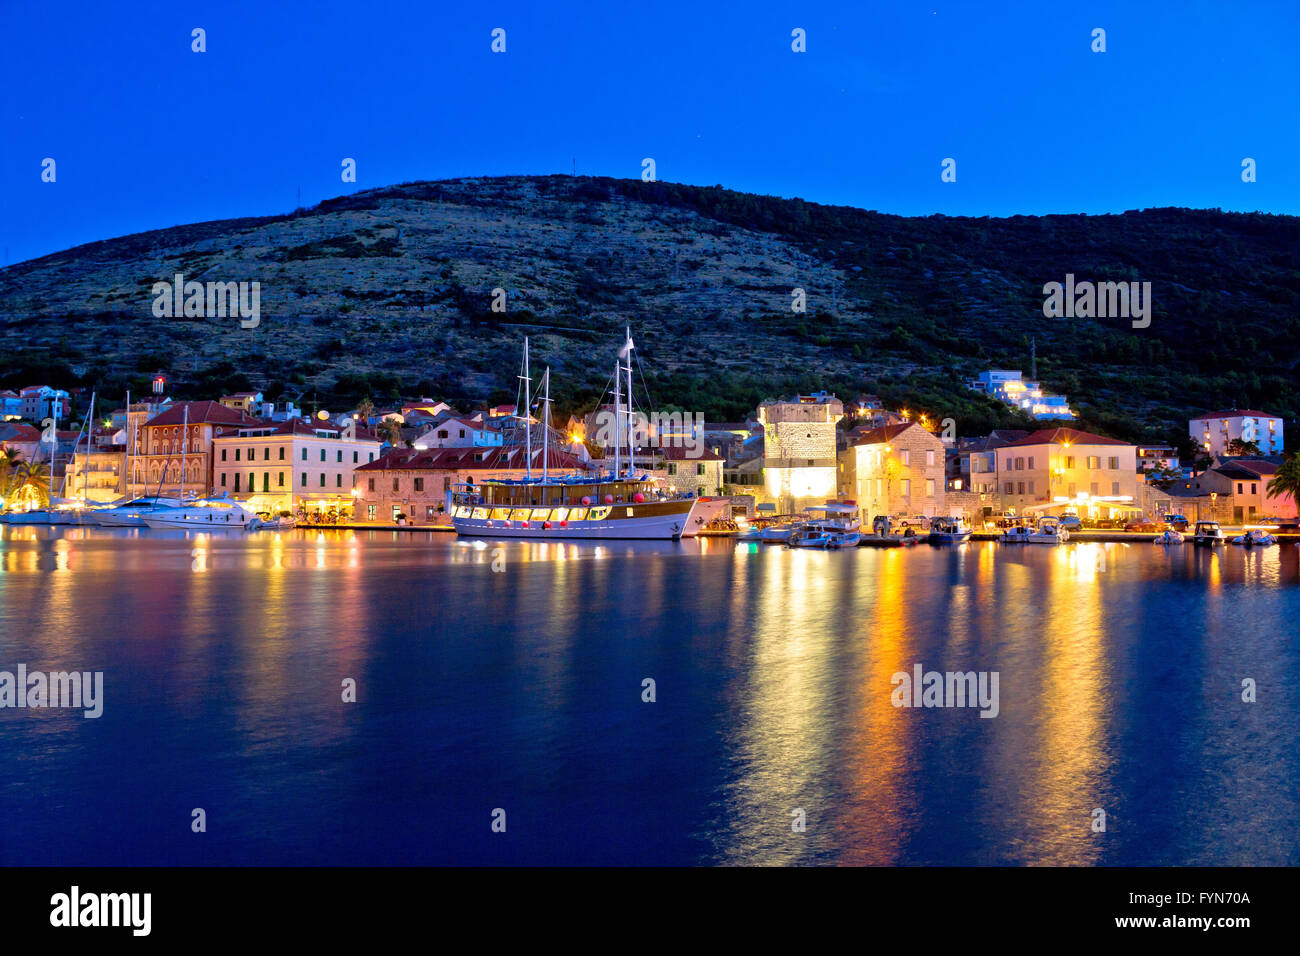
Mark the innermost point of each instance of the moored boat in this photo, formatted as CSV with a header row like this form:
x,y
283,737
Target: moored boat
x,y
1208,533
214,513
1047,531
1255,538
284,522
1169,536
953,530
129,514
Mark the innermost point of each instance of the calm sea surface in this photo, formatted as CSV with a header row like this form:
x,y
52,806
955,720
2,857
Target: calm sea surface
x,y
520,688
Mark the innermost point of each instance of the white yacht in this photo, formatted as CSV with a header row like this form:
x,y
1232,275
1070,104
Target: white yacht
x,y
130,514
214,513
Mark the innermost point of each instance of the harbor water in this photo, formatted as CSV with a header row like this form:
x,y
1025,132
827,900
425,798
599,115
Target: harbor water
x,y
702,702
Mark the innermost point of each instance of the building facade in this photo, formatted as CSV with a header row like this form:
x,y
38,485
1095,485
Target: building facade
x,y
1069,469
291,466
171,452
895,470
799,450
414,484
1215,431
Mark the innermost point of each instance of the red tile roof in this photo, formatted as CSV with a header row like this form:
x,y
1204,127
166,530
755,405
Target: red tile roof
x,y
1235,413
507,458
201,412
296,426
884,433
1057,436
17,432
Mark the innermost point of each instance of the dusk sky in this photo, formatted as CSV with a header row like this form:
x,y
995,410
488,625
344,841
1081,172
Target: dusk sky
x,y
147,134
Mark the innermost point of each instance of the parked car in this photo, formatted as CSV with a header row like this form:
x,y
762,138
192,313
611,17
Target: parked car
x,y
910,521
1283,524
1145,524
1071,523
1177,522
1105,524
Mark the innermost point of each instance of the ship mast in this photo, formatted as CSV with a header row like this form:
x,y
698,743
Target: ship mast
x,y
127,463
85,465
185,427
631,444
527,417
617,411
546,429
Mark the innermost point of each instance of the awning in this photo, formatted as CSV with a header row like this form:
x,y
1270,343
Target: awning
x,y
1088,502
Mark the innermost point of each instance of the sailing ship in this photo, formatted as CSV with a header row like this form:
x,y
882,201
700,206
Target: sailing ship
x,y
619,505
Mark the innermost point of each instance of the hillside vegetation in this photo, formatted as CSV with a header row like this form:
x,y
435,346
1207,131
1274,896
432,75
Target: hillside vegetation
x,y
388,293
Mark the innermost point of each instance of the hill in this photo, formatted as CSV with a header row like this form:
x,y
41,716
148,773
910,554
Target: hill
x,y
389,291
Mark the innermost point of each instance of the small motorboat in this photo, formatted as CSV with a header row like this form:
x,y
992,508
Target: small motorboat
x,y
1016,531
810,535
1208,532
768,534
1168,537
1048,531
282,522
819,534
953,530
1255,538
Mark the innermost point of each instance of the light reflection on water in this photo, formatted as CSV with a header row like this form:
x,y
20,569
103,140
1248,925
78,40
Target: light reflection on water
x,y
510,674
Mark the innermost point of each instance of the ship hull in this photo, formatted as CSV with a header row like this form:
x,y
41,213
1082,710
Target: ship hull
x,y
706,510
38,517
658,527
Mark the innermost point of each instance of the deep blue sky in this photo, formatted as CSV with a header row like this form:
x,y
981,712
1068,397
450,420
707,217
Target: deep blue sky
x,y
148,134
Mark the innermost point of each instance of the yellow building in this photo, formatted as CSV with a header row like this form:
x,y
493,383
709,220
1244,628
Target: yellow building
x,y
895,470
287,466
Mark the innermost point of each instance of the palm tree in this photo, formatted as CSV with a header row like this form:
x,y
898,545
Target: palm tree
x,y
9,459
31,484
390,430
366,409
1287,480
